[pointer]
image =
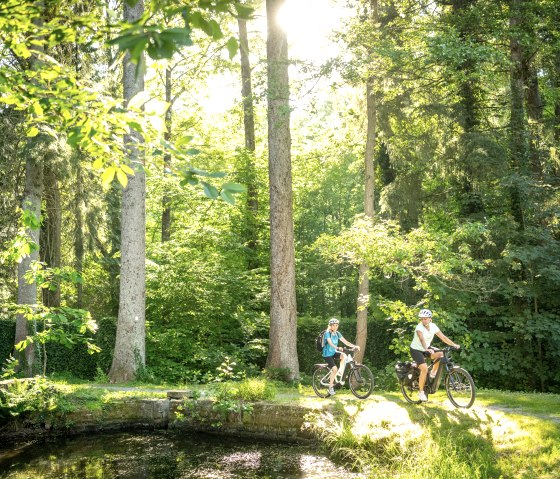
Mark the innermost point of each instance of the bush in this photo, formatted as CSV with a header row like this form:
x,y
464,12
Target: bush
x,y
29,400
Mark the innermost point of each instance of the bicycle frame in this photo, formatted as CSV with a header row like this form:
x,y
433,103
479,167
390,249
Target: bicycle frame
x,y
344,369
432,385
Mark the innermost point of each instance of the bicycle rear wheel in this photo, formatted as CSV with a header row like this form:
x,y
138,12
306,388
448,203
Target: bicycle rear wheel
x,y
361,381
460,389
321,381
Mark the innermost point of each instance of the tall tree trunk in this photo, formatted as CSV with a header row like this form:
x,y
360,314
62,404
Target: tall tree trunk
x,y
27,292
556,119
249,126
535,110
519,145
52,228
166,213
283,321
369,201
31,203
79,232
130,354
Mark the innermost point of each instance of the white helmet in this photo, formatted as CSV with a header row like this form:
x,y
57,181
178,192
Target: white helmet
x,y
425,313
333,321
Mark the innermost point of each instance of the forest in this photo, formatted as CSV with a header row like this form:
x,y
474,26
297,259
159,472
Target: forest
x,y
190,188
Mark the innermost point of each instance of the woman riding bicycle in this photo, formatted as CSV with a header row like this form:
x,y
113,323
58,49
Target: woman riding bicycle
x,y
420,348
331,351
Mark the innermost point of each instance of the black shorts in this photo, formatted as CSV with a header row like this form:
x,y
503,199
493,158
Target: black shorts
x,y
330,359
419,356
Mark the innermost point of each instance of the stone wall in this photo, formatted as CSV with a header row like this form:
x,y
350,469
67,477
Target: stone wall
x,y
178,411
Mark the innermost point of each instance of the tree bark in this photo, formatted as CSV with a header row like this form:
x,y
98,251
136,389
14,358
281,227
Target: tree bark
x,y
32,194
130,355
79,232
369,201
519,146
369,210
165,202
51,231
283,322
27,292
249,128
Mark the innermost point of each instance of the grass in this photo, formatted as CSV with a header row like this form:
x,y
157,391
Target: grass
x,y
497,438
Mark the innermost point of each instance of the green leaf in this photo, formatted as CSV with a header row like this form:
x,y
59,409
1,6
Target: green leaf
x,y
243,11
234,187
33,131
183,141
210,191
107,176
121,176
227,197
215,30
232,46
178,36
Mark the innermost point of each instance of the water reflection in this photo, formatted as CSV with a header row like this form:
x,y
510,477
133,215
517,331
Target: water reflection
x,y
165,455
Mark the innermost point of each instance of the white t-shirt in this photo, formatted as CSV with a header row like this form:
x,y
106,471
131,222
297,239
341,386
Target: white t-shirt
x,y
427,333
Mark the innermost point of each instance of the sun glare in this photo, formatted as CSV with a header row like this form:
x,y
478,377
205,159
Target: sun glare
x,y
309,24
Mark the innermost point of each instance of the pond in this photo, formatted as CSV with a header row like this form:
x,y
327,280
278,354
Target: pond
x,y
166,455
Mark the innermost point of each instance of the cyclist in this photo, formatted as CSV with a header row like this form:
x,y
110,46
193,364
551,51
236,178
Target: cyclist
x,y
420,348
331,351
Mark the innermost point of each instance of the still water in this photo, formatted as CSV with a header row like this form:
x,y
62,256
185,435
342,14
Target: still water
x,y
165,455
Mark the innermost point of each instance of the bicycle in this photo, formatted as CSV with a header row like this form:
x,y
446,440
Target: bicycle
x,y
459,384
360,378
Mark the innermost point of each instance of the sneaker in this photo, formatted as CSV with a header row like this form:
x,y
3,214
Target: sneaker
x,y
422,396
331,392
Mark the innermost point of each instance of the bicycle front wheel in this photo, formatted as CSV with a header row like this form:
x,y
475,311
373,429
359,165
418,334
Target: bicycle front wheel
x,y
361,381
321,381
459,386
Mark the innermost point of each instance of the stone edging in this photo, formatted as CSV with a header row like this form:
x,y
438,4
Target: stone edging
x,y
178,411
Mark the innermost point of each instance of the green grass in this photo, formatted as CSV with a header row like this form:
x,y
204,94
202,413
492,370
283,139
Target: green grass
x,y
535,403
496,439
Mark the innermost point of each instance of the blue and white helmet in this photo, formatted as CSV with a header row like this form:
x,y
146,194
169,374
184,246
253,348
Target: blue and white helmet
x,y
333,321
425,313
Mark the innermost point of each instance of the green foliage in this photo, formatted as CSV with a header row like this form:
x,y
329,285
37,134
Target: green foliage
x,y
255,389
160,42
29,400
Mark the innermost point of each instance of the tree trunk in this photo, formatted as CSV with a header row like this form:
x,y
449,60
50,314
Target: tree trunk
x,y
79,232
31,203
249,126
51,231
283,321
130,353
535,110
27,292
369,202
519,146
165,202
